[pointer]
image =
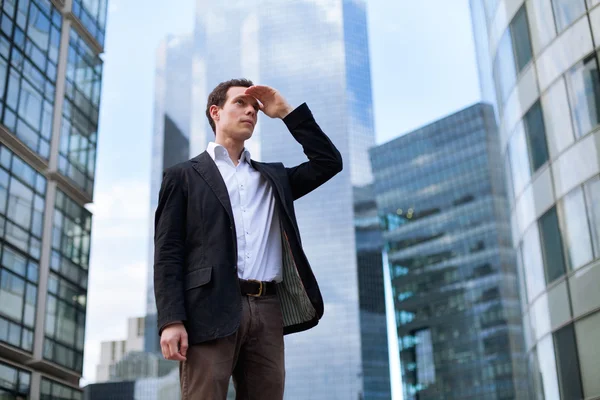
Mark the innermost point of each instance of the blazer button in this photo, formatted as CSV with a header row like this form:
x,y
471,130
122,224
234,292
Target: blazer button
x,y
231,227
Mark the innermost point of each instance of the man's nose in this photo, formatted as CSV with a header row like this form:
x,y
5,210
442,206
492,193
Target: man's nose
x,y
251,111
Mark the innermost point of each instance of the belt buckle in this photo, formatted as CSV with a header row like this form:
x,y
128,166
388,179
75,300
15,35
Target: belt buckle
x,y
260,290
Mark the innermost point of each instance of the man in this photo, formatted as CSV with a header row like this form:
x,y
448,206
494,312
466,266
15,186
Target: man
x,y
230,275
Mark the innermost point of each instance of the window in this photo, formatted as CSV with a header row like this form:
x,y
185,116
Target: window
x,y
67,284
521,39
513,54
567,11
552,246
50,390
567,363
519,159
536,136
576,229
592,195
583,82
547,369
27,88
532,261
22,192
78,137
14,382
92,14
559,129
588,331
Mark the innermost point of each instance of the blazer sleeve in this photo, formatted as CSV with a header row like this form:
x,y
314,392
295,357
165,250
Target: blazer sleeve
x,y
169,250
324,159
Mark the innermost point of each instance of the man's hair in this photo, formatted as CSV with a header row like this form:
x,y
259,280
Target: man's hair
x,y
219,95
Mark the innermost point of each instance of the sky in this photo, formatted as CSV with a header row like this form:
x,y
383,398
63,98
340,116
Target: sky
x,y
422,68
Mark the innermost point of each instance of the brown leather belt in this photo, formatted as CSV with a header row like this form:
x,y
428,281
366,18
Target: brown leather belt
x,y
257,288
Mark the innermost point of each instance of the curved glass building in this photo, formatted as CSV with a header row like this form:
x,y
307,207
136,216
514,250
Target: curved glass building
x,y
538,63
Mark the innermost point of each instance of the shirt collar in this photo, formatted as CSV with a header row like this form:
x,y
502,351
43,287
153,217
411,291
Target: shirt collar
x,y
217,151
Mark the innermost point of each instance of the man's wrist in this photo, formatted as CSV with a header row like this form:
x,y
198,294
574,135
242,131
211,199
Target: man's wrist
x,y
286,112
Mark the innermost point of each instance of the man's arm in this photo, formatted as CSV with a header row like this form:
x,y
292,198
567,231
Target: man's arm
x,y
169,251
324,159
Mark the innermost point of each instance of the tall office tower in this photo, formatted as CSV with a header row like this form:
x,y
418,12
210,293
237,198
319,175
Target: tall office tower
x,y
369,247
170,143
313,52
50,78
544,68
441,196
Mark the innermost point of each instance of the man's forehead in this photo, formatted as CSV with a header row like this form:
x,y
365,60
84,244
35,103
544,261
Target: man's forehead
x,y
238,92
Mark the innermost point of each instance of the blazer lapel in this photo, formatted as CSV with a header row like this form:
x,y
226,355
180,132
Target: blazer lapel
x,y
206,167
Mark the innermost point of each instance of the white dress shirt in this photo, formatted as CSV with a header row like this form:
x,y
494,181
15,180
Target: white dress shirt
x,y
255,216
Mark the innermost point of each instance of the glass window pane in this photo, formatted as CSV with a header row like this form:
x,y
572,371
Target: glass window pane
x,y
541,18
519,159
536,136
533,265
576,230
587,331
505,73
521,39
568,363
547,365
592,193
552,246
583,82
559,129
567,11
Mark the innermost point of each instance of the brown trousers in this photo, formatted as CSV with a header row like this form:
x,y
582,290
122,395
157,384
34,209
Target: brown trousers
x,y
253,356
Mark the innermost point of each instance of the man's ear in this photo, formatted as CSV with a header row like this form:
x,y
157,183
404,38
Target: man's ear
x,y
214,112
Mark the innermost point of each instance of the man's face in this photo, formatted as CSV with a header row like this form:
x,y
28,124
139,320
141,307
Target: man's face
x,y
237,118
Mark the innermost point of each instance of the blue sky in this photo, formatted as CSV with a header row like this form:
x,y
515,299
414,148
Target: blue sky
x,y
423,68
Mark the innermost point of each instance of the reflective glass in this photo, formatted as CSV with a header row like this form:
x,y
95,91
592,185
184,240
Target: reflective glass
x,y
92,14
567,11
78,136
532,261
536,136
14,382
547,366
587,331
552,246
27,101
51,390
592,194
65,308
576,229
568,363
519,159
21,211
583,82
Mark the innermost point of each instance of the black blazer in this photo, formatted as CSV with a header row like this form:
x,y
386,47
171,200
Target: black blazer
x,y
195,246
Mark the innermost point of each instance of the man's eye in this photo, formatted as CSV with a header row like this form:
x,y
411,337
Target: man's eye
x,y
240,101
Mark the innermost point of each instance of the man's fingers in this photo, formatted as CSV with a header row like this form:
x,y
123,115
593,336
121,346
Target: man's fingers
x,y
183,347
174,353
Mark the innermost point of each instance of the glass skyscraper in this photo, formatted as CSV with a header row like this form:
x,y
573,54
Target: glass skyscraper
x,y
539,62
313,52
50,80
170,143
442,202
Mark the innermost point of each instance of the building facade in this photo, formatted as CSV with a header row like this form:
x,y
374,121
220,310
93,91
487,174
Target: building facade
x,y
111,352
50,81
373,320
543,65
268,41
441,199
